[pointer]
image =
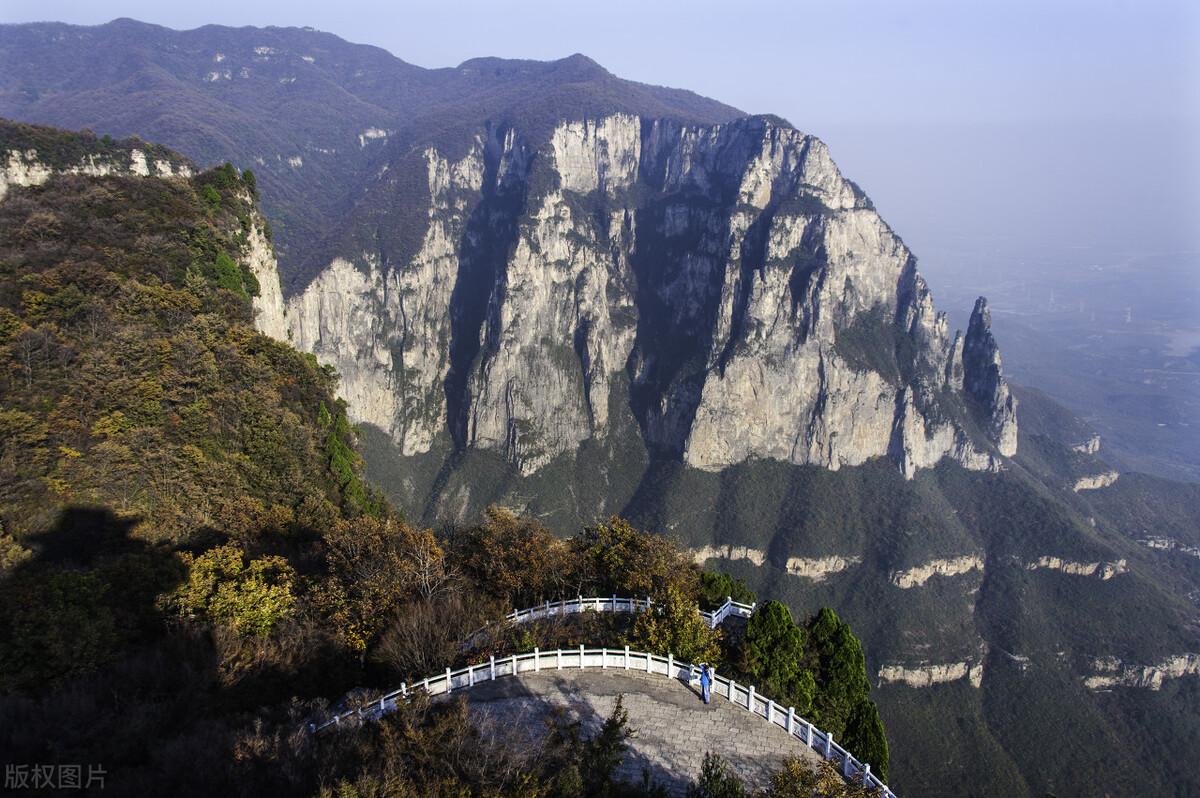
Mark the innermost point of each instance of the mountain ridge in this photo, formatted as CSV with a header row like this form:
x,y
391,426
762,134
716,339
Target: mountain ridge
x,y
200,104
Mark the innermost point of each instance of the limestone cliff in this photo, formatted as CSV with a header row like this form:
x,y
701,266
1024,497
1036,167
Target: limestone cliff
x,y
723,286
26,167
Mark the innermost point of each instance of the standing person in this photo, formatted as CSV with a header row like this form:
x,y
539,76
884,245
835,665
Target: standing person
x,y
705,680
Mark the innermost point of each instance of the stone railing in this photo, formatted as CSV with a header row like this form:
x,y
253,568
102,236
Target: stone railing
x,y
573,606
743,696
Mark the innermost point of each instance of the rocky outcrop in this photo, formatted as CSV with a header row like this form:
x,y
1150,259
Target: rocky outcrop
x,y
919,575
983,381
1090,446
729,552
1170,544
724,287
815,569
1102,570
26,168
929,675
1112,672
269,307
1096,482
818,568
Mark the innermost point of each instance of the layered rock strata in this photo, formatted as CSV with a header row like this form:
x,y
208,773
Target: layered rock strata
x,y
929,675
725,286
28,168
1103,571
919,575
1112,672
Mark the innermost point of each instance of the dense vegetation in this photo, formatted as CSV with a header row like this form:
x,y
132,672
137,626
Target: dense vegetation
x,y
191,564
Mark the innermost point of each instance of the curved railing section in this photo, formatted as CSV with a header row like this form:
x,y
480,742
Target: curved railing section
x,y
618,659
564,607
613,604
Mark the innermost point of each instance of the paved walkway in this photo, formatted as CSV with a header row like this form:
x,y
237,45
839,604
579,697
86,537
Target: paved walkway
x,y
674,727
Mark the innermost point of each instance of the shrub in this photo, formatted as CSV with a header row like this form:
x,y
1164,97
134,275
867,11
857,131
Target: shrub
x,y
673,626
224,587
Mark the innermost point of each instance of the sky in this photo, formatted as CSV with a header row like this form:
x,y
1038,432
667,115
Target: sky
x,y
1002,125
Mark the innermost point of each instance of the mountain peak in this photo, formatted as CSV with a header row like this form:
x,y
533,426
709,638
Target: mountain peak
x,y
574,68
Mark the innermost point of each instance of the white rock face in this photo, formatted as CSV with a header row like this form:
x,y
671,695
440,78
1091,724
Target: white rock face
x,y
730,552
815,569
915,577
388,335
819,568
1170,544
138,163
929,675
269,309
702,279
370,134
1090,446
23,168
1114,673
1096,482
1103,570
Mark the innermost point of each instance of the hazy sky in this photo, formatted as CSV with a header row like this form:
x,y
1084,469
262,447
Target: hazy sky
x,y
1015,124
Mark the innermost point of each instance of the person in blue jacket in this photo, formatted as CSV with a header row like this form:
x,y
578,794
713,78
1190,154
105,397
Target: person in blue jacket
x,y
705,680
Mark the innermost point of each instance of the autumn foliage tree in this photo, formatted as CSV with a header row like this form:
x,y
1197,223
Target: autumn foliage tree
x,y
224,586
516,559
622,560
672,625
373,566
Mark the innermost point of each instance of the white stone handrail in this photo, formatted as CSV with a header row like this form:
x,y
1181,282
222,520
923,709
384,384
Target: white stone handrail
x,y
564,607
614,604
618,659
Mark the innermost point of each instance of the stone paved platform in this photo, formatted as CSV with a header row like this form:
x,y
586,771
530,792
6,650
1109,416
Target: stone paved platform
x,y
674,727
